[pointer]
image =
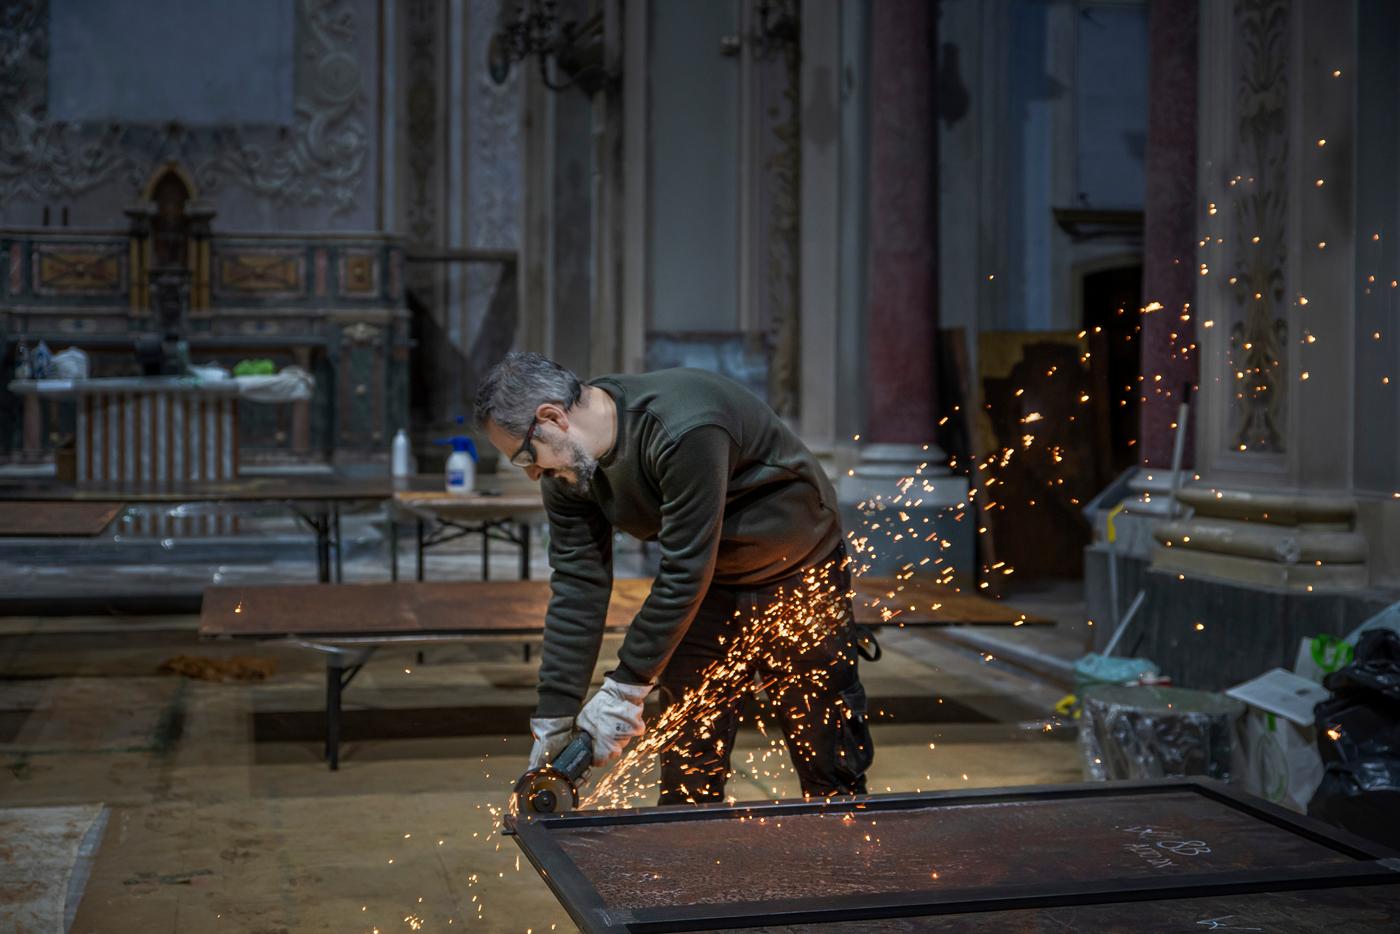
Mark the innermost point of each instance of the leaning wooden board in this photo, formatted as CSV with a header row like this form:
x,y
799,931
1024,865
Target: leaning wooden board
x,y
1177,855
472,608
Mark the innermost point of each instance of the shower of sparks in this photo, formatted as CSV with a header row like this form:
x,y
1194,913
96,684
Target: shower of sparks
x,y
800,621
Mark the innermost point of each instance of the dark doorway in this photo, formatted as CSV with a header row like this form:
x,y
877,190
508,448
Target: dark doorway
x,y
1112,320
170,227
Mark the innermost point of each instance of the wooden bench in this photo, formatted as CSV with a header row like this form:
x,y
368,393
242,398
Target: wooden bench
x,y
347,622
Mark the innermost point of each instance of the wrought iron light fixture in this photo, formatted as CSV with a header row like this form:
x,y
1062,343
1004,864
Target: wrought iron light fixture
x,y
576,49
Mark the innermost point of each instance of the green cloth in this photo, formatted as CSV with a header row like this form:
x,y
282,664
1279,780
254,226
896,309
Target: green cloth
x,y
255,367
709,471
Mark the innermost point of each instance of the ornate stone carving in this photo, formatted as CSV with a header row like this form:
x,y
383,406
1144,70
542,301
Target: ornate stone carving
x,y
40,159
1259,332
493,141
323,158
267,272
493,193
319,159
358,273
77,269
359,332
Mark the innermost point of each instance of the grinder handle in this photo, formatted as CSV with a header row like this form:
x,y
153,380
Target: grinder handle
x,y
576,757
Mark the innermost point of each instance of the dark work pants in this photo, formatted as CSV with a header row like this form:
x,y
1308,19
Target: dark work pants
x,y
814,686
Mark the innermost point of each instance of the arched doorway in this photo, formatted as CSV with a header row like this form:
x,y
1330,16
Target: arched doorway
x,y
170,191
1109,296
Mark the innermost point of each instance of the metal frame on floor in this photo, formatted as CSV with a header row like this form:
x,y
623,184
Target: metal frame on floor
x,y
537,837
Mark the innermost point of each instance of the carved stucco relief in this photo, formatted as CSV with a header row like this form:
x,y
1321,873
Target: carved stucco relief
x,y
493,143
40,159
1259,189
322,159
319,159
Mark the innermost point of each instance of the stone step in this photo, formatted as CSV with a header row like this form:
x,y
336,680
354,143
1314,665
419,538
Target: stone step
x,y
1282,544
1272,508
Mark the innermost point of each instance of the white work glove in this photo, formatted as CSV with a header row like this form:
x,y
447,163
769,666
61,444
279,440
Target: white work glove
x,y
551,734
612,717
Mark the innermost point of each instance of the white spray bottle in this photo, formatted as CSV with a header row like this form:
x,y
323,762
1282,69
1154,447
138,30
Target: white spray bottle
x,y
461,465
401,458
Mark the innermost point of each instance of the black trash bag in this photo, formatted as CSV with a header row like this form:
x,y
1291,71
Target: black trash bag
x,y
1358,736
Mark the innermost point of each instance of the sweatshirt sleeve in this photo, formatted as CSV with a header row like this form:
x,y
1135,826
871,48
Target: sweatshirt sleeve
x,y
580,554
693,476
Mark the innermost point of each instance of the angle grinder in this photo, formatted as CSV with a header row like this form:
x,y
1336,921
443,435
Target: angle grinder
x,y
553,788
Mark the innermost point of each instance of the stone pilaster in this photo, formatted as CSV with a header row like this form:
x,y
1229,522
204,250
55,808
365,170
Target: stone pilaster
x,y
1275,303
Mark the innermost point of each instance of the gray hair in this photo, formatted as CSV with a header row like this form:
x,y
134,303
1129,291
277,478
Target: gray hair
x,y
520,384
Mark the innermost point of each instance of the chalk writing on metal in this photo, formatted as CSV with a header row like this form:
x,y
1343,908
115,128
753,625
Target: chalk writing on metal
x,y
1223,924
1156,843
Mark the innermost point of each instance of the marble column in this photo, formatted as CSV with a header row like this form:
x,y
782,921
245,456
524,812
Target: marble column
x,y
902,321
899,465
1169,271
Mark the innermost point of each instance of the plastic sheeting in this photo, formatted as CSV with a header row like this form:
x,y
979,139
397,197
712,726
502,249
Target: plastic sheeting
x,y
1156,732
293,384
1358,736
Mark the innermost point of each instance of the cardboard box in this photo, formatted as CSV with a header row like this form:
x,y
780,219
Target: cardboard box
x,y
1276,756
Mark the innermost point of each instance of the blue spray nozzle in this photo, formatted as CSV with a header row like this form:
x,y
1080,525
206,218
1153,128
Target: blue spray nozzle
x,y
461,443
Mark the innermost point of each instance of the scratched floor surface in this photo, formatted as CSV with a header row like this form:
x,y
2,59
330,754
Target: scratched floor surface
x,y
221,814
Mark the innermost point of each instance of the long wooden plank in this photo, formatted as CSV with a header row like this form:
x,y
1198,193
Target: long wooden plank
x,y
395,608
512,607
47,519
885,601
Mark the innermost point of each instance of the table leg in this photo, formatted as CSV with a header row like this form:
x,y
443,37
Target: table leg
x,y
335,524
393,546
486,551
323,549
341,667
334,685
420,549
524,551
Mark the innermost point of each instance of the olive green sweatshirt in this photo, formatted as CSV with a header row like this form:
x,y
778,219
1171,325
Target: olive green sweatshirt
x,y
707,470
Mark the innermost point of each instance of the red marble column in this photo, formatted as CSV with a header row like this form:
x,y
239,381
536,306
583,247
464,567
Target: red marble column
x,y
902,317
1169,269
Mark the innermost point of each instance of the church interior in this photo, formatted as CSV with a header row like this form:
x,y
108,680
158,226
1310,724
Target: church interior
x,y
1086,310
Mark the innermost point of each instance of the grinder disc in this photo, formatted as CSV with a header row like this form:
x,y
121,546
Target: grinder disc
x,y
545,791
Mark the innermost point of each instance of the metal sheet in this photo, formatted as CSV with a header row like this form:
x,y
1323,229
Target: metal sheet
x,y
843,851
1354,909
914,856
